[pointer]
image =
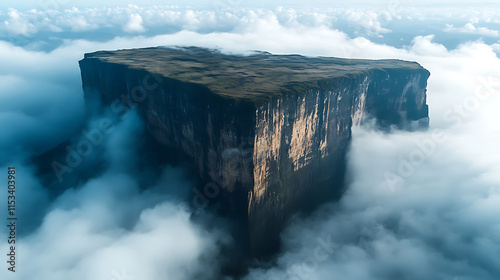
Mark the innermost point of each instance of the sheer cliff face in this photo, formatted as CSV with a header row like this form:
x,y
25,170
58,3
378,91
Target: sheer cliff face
x,y
272,153
301,141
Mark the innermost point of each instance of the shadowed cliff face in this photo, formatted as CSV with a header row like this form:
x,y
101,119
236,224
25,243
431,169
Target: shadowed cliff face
x,y
265,151
301,141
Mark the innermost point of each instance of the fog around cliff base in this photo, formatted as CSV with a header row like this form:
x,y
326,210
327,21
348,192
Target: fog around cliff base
x,y
420,205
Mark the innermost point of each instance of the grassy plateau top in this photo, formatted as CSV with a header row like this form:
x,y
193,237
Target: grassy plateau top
x,y
257,76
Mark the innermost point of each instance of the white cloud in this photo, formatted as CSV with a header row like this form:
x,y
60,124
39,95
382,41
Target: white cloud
x,y
469,28
367,19
423,45
16,24
134,24
374,21
80,23
109,224
437,222
437,219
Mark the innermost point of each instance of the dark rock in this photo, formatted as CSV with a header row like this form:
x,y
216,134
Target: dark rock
x,y
267,133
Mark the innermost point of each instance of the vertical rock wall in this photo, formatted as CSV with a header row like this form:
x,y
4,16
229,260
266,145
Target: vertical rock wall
x,y
297,142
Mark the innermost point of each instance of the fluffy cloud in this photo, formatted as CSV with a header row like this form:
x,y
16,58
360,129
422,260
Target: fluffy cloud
x,y
420,205
16,24
367,19
112,225
23,26
134,24
436,221
433,220
48,88
469,28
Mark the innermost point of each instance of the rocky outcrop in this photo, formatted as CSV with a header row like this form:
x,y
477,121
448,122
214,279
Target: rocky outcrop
x,y
267,133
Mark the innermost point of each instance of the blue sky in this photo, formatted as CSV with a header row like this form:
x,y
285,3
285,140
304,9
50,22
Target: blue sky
x,y
258,3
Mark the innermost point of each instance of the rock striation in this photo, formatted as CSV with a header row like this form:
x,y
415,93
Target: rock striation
x,y
267,133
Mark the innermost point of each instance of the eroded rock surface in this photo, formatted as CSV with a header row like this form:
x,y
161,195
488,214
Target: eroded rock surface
x,y
271,131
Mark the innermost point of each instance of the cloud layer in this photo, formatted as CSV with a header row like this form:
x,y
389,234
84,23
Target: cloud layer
x,y
420,205
46,27
113,226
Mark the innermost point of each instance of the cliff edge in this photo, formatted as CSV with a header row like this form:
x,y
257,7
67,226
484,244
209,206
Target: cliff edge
x,y
267,133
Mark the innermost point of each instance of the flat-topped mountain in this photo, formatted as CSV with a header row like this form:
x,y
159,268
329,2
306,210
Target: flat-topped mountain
x,y
257,76
268,134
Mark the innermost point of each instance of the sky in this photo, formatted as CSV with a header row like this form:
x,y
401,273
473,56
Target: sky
x,y
256,3
419,205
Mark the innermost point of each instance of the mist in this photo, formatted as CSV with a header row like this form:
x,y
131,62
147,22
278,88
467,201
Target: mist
x,y
419,205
